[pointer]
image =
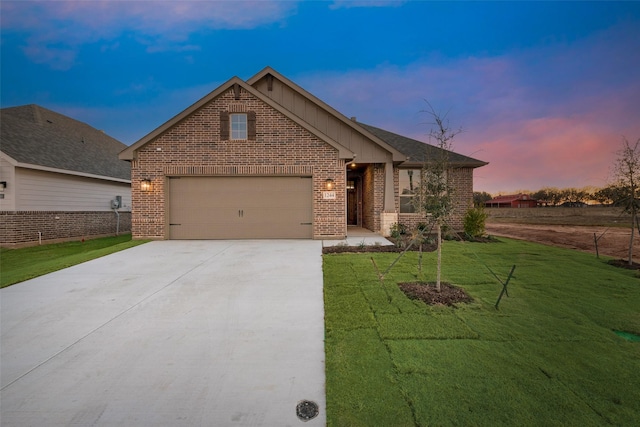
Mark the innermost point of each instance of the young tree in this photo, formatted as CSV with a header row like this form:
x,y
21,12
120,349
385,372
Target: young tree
x,y
434,196
627,174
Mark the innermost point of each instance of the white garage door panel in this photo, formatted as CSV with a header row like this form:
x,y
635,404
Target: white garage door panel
x,y
240,207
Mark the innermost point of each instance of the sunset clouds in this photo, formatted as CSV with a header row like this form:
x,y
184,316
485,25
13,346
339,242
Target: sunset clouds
x,y
543,91
58,29
548,116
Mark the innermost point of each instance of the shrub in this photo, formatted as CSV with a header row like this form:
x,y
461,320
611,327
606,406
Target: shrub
x,y
474,222
422,226
398,230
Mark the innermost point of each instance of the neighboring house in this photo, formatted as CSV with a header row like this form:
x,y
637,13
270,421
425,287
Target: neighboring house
x,y
512,201
58,177
266,159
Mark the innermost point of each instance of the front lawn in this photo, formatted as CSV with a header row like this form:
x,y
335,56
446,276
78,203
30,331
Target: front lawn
x,y
548,357
17,265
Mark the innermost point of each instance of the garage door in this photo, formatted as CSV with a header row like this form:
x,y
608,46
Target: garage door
x,y
240,208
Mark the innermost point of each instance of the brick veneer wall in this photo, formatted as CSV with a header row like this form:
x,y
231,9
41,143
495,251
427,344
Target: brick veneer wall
x,y
368,198
194,147
21,228
378,204
462,181
373,195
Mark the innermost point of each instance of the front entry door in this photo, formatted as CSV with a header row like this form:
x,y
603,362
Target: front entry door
x,y
353,201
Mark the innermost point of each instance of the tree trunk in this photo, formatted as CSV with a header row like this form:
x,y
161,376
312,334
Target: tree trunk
x,y
633,229
439,227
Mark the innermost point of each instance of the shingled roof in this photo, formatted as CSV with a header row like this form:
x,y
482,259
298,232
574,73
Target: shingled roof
x,y
33,135
418,152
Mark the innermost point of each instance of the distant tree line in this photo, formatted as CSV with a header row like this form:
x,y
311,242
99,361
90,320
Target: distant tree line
x,y
612,195
623,193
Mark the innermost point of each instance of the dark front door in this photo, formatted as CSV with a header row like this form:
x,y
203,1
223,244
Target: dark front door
x,y
353,201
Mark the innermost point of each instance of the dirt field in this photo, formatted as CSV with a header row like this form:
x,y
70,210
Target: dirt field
x,y
614,242
566,227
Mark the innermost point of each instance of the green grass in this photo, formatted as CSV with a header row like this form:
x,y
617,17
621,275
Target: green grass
x,y
17,265
548,357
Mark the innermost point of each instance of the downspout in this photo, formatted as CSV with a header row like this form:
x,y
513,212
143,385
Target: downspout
x,y
117,221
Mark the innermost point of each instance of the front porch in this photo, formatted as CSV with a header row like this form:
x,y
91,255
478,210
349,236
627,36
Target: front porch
x,y
370,196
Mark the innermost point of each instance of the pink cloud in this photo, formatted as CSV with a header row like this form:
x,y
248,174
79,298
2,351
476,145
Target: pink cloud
x,y
152,17
337,4
58,28
546,152
541,117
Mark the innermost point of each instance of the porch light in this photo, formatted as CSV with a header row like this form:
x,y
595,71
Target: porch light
x,y
329,184
3,185
145,185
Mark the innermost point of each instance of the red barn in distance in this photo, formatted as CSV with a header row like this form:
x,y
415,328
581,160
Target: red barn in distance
x,y
512,201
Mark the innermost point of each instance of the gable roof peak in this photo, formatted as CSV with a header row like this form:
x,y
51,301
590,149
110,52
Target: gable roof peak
x,y
396,155
129,153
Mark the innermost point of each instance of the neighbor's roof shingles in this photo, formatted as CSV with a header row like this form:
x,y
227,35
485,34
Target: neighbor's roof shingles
x,y
33,135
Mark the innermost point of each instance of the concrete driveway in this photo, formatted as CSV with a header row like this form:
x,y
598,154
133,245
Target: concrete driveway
x,y
171,333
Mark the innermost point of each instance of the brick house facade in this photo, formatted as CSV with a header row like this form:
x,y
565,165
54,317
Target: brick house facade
x,y
194,177
193,148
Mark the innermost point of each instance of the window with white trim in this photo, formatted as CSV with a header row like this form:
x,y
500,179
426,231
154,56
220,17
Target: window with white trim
x,y
239,126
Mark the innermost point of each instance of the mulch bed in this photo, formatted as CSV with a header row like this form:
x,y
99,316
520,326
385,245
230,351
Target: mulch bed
x,y
623,263
340,249
449,294
398,246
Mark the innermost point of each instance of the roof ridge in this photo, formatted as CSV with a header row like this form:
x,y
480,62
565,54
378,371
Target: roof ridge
x,y
37,116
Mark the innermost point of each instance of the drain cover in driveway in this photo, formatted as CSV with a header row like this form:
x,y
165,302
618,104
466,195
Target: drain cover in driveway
x,y
307,410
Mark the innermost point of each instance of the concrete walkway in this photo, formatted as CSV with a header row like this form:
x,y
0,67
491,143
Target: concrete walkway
x,y
172,333
357,236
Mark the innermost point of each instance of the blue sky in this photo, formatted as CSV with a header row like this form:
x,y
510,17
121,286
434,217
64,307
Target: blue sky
x,y
544,91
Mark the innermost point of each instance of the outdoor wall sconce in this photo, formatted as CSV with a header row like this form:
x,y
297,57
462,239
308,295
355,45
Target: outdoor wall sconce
x,y
329,184
3,185
145,185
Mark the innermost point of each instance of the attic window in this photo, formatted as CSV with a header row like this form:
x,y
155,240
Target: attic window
x,y
239,126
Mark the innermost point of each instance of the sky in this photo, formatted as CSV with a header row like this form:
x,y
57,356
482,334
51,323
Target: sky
x,y
544,91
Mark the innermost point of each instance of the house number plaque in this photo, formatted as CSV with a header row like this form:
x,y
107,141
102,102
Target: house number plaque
x,y
329,195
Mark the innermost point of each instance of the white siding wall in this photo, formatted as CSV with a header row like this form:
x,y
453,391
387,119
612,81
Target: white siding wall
x,y
8,174
48,191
